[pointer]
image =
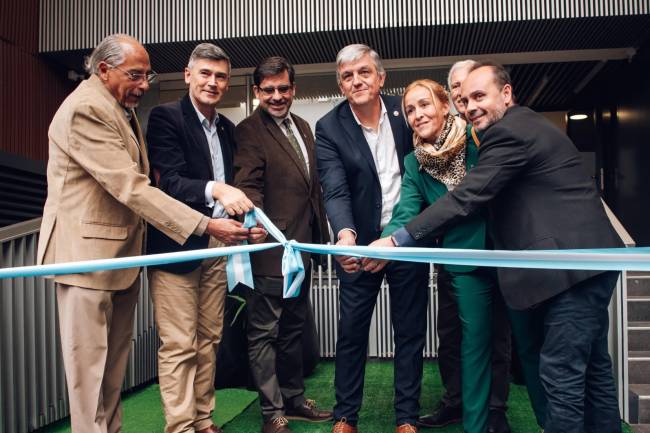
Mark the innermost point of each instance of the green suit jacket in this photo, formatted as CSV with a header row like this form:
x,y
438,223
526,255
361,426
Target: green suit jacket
x,y
419,190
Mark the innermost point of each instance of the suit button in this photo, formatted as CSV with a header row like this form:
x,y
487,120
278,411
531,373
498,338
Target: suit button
x,y
377,205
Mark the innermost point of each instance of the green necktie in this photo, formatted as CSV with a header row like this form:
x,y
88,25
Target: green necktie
x,y
294,142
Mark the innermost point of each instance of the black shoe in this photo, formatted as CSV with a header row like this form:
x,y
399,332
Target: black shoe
x,y
497,422
442,415
308,412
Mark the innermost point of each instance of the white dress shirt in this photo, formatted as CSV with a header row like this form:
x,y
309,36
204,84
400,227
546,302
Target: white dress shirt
x,y
382,147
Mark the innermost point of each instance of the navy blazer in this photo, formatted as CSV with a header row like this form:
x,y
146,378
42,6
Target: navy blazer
x,y
351,188
181,166
539,197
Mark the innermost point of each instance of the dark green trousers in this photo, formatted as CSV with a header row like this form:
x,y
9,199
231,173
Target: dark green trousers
x,y
527,329
474,292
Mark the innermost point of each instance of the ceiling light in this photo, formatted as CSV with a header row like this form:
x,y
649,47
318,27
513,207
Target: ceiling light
x,y
578,116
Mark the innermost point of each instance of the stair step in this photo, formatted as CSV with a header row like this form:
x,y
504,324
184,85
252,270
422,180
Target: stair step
x,y
638,309
639,366
638,285
640,404
638,336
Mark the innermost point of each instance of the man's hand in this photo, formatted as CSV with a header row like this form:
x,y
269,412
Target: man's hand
x,y
232,199
228,231
349,264
376,265
257,235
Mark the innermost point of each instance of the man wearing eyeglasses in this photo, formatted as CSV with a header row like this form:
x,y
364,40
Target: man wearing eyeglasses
x,y
191,147
276,167
99,197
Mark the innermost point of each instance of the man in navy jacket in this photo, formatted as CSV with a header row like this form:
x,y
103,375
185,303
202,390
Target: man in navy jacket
x,y
360,148
191,150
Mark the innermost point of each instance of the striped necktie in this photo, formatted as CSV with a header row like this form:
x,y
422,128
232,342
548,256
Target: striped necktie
x,y
294,142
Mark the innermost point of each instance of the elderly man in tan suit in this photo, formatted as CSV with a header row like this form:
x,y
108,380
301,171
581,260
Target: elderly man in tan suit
x,y
99,197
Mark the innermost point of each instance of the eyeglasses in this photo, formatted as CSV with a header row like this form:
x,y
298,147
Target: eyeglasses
x,y
133,76
270,91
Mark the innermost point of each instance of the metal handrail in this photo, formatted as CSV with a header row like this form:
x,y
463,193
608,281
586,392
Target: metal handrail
x,y
620,230
20,229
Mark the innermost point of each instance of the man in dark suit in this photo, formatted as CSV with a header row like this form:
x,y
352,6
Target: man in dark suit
x,y
276,167
538,196
361,145
191,149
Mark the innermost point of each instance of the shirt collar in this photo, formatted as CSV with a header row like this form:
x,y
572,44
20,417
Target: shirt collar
x,y
382,115
203,119
279,121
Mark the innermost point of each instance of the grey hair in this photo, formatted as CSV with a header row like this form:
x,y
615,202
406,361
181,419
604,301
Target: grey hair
x,y
207,51
463,64
354,52
112,50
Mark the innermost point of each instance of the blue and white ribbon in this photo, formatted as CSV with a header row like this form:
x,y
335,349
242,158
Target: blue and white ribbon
x,y
238,268
293,270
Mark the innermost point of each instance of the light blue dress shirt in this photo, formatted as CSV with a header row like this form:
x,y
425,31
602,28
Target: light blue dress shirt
x,y
218,170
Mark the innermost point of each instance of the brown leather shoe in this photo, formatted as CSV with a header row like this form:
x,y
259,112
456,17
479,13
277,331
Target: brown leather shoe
x,y
212,429
308,412
276,425
341,426
406,428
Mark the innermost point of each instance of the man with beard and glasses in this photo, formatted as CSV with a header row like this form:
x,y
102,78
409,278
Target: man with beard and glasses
x,y
276,167
538,196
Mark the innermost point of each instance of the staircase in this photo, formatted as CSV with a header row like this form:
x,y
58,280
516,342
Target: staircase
x,y
638,314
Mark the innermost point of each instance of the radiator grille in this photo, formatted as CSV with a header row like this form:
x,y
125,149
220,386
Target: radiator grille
x,y
32,379
325,301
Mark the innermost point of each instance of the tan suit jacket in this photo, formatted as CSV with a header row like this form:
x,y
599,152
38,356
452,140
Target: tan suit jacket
x,y
99,193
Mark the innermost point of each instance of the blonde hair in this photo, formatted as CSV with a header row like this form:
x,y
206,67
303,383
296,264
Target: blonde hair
x,y
439,95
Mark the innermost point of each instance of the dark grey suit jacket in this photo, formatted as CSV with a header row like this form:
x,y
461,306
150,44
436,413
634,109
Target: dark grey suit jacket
x,y
539,197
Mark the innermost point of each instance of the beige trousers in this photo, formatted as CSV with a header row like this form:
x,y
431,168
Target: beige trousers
x,y
96,332
188,309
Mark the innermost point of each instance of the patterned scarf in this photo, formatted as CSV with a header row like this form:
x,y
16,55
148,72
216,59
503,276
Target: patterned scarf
x,y
444,159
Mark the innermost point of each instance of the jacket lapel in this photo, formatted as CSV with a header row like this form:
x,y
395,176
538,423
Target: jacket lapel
x,y
144,157
278,135
133,127
196,131
226,152
353,129
398,126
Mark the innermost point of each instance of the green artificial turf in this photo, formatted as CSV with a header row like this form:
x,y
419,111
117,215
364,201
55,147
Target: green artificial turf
x,y
142,411
377,414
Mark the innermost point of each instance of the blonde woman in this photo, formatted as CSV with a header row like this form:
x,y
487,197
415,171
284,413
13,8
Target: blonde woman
x,y
445,150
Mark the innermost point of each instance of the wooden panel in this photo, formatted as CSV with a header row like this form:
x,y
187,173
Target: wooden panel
x,y
31,89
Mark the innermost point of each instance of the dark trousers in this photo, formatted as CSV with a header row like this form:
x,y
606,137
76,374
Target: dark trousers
x,y
275,344
575,367
408,284
449,341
